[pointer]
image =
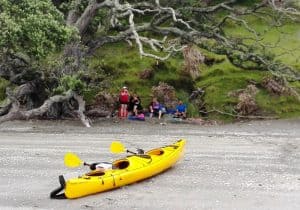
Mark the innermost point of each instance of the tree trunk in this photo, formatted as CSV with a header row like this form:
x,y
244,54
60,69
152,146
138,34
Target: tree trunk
x,y
16,113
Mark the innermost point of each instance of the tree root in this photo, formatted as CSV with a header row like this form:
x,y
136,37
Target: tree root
x,y
15,112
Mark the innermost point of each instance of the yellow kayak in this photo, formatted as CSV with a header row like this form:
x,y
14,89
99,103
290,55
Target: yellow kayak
x,y
125,171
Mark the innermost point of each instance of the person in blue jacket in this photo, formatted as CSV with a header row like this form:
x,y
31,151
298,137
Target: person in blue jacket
x,y
180,110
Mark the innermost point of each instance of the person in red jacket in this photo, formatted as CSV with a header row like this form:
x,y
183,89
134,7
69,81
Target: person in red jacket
x,y
124,100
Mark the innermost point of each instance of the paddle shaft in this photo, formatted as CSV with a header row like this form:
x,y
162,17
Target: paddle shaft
x,y
128,151
86,164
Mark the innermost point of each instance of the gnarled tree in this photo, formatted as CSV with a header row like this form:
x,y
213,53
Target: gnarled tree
x,y
99,22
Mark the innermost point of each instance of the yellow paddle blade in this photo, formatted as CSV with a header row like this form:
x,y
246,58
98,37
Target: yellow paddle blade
x,y
71,160
117,147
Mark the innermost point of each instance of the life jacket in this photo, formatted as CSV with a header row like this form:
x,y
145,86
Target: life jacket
x,y
124,97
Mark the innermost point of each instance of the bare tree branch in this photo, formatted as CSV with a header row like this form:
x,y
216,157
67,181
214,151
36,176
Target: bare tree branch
x,y
89,12
73,13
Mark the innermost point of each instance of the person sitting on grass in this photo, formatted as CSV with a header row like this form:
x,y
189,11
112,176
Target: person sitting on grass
x,y
137,107
155,108
180,110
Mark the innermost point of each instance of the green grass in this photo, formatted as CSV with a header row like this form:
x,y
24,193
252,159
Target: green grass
x,y
221,78
283,42
281,106
218,80
129,64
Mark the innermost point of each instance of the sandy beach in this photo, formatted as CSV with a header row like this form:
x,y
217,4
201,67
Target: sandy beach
x,y
246,165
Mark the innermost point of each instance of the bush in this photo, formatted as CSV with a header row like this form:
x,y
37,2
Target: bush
x,y
70,83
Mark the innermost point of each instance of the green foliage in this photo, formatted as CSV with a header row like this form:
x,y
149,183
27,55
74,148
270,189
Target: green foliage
x,y
89,94
34,27
37,28
218,79
69,83
222,78
281,43
281,106
101,68
126,64
293,3
192,110
3,84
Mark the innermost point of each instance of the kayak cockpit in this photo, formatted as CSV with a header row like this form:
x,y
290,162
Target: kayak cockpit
x,y
118,164
121,164
157,152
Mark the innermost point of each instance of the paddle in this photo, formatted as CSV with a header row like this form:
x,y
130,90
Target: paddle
x,y
71,160
118,147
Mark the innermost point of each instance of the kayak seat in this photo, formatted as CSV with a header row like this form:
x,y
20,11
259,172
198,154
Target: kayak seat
x,y
155,152
120,164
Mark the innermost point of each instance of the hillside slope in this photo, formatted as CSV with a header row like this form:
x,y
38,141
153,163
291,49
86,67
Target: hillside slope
x,y
220,80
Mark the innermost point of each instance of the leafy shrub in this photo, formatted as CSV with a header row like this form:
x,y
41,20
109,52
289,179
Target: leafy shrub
x,y
34,27
70,83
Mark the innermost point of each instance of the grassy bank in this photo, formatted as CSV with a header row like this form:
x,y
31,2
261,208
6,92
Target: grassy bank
x,y
218,80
